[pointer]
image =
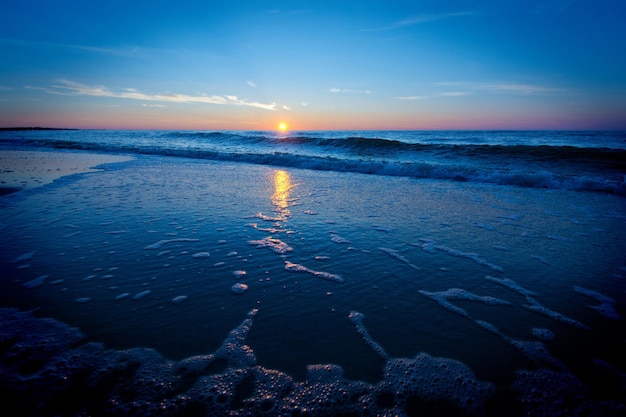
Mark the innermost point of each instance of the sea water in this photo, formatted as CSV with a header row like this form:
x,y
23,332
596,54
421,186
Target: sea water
x,y
407,284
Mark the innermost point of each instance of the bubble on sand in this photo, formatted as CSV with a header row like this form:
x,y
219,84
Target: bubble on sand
x,y
276,245
36,282
442,383
545,392
239,274
239,288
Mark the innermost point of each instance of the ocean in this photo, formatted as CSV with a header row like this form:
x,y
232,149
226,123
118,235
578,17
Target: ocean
x,y
318,273
580,160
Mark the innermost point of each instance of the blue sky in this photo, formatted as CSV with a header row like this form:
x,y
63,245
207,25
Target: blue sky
x,y
367,64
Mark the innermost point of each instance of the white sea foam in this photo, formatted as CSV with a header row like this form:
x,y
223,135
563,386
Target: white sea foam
x,y
543,334
24,257
141,294
443,302
179,299
266,218
239,288
201,255
601,298
430,247
160,243
338,239
357,318
443,299
394,254
535,306
606,307
276,245
509,283
293,267
533,350
36,282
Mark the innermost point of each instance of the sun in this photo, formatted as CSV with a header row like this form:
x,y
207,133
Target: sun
x,y
282,126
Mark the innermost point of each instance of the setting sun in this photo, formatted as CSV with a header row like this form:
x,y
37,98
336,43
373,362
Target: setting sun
x,y
282,126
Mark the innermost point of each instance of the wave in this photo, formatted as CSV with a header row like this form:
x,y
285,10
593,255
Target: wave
x,y
543,166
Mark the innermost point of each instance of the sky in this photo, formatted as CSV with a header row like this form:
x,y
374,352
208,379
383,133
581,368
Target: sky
x,y
314,65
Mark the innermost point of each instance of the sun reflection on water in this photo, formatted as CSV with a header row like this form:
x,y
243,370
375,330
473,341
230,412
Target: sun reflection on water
x,y
282,187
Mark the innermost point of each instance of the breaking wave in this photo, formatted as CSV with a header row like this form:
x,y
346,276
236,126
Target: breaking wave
x,y
583,167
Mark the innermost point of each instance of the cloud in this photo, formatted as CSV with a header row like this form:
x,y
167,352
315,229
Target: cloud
x,y
422,18
127,51
251,84
506,87
454,94
66,87
412,98
348,91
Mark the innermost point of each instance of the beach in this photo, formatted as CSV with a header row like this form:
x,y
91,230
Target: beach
x,y
314,285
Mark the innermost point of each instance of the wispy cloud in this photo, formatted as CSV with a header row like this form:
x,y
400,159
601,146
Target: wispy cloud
x,y
420,19
498,87
251,84
118,51
348,91
454,94
412,97
506,87
443,94
66,87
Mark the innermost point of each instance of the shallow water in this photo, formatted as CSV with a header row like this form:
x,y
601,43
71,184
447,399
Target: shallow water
x,y
146,254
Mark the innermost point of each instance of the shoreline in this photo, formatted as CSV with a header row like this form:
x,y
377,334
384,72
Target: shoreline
x,y
26,169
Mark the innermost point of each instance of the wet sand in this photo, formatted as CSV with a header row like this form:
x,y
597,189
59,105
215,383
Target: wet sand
x,y
26,169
